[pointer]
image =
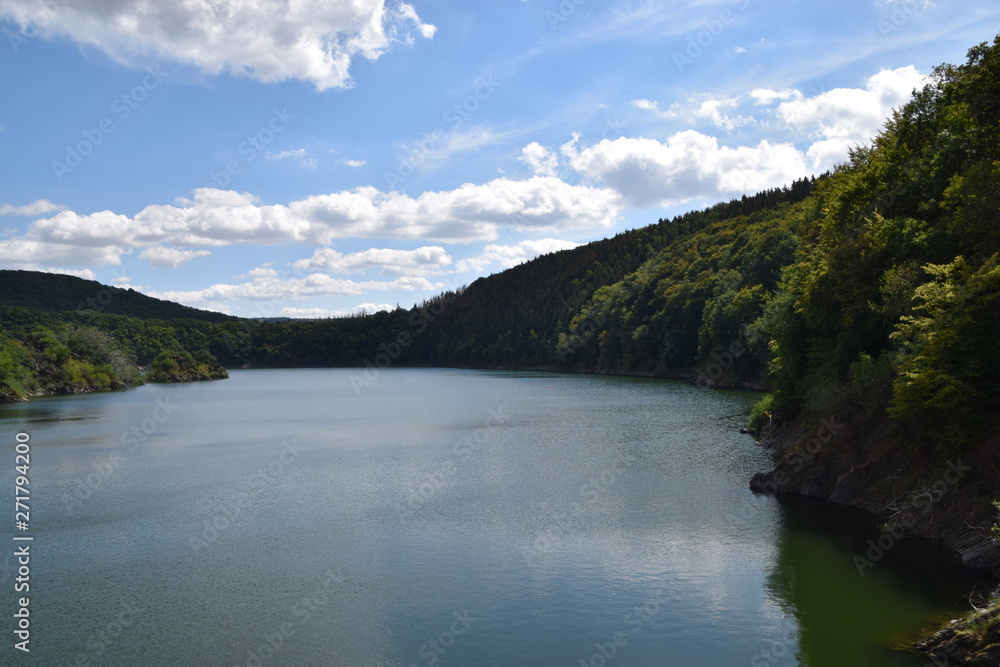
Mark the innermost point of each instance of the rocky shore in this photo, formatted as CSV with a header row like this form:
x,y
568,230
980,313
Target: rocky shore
x,y
935,497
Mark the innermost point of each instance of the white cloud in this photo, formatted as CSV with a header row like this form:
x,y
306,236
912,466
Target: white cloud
x,y
276,289
25,253
845,117
420,261
295,152
101,229
268,41
37,207
766,96
690,165
319,313
307,162
646,105
353,163
714,111
214,218
434,148
542,161
161,257
654,107
506,256
86,274
374,307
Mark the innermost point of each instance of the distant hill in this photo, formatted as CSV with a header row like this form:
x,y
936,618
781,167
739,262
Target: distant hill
x,y
54,292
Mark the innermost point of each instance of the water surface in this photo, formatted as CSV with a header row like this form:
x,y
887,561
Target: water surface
x,y
448,517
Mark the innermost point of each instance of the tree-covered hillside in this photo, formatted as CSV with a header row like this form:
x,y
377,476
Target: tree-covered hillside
x,y
55,292
519,317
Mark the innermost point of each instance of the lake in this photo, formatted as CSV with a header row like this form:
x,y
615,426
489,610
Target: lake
x,y
441,517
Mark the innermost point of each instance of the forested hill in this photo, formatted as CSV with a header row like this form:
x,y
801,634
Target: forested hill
x,y
513,318
516,318
55,292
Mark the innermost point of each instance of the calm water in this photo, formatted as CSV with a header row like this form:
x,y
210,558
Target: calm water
x,y
440,517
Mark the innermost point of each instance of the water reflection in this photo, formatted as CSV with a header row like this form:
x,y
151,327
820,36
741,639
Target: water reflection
x,y
881,609
385,488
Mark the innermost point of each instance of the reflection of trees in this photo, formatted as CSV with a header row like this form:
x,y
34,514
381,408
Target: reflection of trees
x,y
845,618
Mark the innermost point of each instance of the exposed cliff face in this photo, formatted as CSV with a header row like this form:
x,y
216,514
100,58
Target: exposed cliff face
x,y
866,464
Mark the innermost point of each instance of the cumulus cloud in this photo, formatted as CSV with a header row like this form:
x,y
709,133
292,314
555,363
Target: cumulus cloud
x,y
420,261
715,112
268,41
23,253
542,161
845,117
689,165
506,256
162,257
276,289
37,207
169,236
165,233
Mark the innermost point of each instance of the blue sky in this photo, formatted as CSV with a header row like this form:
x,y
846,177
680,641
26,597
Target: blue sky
x,y
314,159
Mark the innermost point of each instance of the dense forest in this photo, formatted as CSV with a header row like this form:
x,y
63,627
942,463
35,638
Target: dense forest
x,y
514,318
870,292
